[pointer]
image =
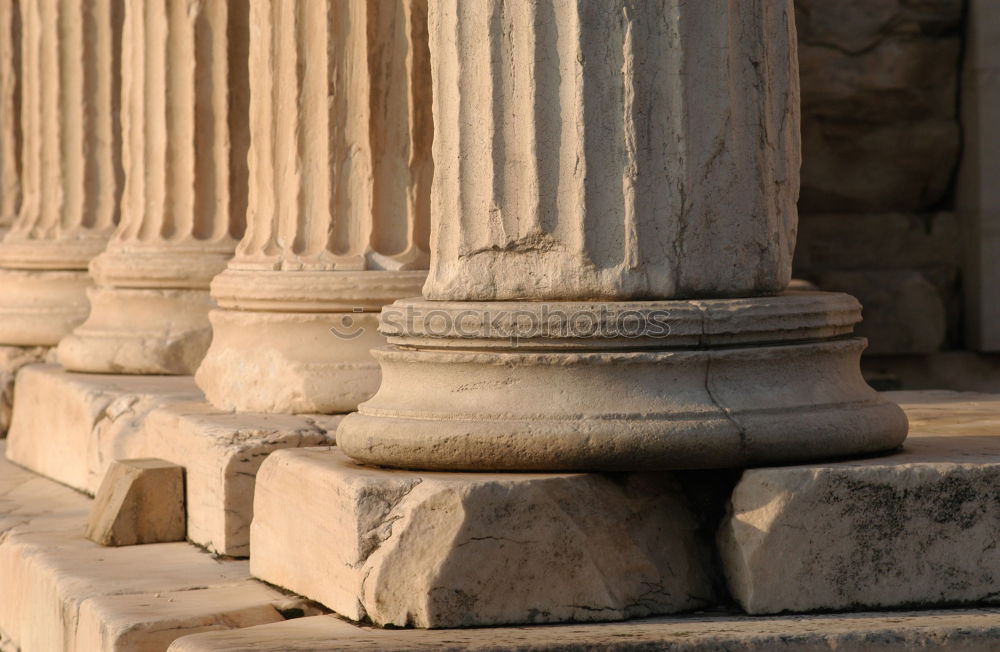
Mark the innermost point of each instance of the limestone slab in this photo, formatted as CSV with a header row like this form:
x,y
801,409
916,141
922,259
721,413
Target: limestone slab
x,y
139,501
918,527
951,631
62,592
405,548
95,419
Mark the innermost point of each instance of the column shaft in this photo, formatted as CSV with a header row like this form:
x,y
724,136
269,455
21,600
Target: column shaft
x,y
10,112
338,217
71,165
186,135
603,149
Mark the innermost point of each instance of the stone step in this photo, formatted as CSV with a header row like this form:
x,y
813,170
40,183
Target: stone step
x,y
94,419
916,528
63,592
952,631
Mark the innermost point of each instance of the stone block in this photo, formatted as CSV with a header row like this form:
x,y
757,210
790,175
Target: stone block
x,y
971,630
93,420
904,312
879,85
12,358
63,592
915,528
419,549
139,501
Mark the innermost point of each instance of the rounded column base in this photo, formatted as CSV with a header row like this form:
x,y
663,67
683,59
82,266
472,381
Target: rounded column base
x,y
131,331
291,363
791,391
39,308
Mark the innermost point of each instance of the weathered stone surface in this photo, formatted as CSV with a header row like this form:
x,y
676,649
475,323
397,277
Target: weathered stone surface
x,y
622,199
909,315
456,550
62,592
563,386
10,113
12,358
338,219
857,241
879,90
944,631
95,419
918,527
183,206
139,501
71,177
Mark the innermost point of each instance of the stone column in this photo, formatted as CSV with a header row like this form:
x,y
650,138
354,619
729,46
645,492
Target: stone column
x,y
10,112
185,127
614,220
337,226
71,175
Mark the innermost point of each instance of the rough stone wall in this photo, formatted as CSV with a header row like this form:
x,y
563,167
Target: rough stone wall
x,y
880,148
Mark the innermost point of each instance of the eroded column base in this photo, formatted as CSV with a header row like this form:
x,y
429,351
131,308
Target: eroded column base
x,y
132,331
290,363
298,342
461,550
39,308
700,384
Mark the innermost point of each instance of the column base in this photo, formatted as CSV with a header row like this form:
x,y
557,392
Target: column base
x,y
132,331
465,550
700,384
290,363
298,342
39,308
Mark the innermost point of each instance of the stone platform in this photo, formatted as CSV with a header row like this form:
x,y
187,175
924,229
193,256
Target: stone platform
x,y
915,528
919,527
974,630
63,592
70,426
12,358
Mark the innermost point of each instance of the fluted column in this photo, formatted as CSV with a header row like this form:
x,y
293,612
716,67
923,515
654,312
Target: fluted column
x,y
10,112
339,187
71,167
614,220
185,126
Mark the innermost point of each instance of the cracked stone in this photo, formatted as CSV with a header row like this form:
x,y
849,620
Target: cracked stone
x,y
402,548
139,501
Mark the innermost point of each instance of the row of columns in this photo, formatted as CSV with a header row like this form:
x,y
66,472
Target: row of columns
x,y
269,190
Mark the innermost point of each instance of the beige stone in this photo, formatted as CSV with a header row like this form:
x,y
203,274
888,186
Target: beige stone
x,y
405,548
338,215
10,112
139,501
62,592
93,420
71,166
970,630
681,220
620,386
578,183
184,205
12,358
918,527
